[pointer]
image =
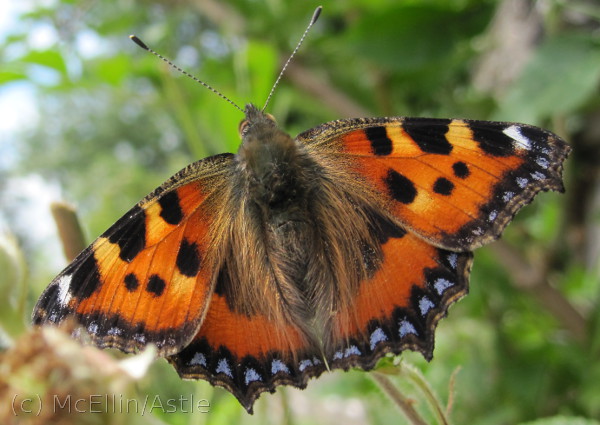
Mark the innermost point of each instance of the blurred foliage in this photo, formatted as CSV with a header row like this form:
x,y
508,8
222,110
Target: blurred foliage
x,y
111,122
13,290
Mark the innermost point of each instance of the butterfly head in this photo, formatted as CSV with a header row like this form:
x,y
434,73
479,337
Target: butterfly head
x,y
255,118
262,139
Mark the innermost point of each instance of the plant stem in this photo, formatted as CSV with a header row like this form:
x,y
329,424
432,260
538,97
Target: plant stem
x,y
404,403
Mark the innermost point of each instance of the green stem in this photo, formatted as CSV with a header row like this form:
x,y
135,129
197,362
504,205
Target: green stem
x,y
404,403
419,380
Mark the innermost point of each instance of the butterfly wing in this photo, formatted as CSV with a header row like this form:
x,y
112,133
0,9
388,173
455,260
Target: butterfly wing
x,y
245,354
455,183
397,308
250,341
450,186
149,277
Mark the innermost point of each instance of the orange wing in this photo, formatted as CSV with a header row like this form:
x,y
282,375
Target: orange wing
x,y
149,277
247,355
400,306
396,309
455,183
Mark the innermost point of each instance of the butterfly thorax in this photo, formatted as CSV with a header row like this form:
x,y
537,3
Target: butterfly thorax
x,y
277,172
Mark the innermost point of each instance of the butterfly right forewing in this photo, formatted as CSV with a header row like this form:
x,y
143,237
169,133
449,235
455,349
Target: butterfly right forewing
x,y
456,183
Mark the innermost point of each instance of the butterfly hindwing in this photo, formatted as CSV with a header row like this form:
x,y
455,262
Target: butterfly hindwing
x,y
149,277
247,354
456,183
399,306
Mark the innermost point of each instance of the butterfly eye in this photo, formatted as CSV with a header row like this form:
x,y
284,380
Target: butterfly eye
x,y
243,127
270,117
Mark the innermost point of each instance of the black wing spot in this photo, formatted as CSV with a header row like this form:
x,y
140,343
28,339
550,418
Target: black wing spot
x,y
222,284
188,258
493,141
371,258
383,228
400,188
536,136
51,294
429,134
156,285
129,232
131,282
443,186
381,144
171,208
461,170
47,306
86,276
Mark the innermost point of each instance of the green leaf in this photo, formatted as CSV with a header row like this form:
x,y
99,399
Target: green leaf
x,y
113,70
48,58
13,288
9,76
409,37
561,76
262,68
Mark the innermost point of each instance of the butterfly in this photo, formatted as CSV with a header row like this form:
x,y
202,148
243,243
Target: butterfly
x,y
300,255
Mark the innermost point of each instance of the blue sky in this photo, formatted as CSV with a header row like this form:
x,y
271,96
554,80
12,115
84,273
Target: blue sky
x,y
17,102
19,112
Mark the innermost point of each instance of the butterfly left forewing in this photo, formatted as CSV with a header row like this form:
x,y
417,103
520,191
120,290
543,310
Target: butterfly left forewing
x,y
456,183
148,278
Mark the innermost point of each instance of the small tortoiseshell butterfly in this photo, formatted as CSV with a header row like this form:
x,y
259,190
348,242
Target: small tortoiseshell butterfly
x,y
295,255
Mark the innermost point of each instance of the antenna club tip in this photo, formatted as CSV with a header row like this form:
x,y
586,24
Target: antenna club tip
x,y
316,14
138,42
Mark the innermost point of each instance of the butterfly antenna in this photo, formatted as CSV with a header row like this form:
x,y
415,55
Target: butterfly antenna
x,y
143,45
315,16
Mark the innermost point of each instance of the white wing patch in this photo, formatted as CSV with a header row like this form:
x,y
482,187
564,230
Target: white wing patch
x,y
64,296
514,132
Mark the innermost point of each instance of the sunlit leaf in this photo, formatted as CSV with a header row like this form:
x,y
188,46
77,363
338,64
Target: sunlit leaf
x,y
9,76
48,58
